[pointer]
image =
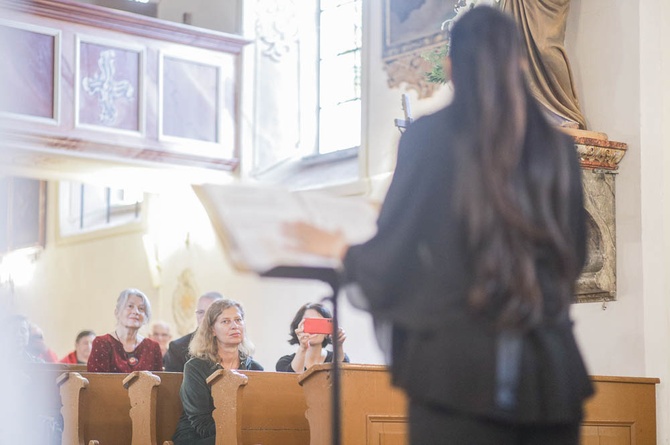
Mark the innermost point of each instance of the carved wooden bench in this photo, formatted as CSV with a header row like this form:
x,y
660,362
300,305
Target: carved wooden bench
x,y
254,407
145,414
373,412
95,409
155,406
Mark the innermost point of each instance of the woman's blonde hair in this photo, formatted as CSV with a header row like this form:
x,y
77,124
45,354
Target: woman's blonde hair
x,y
204,345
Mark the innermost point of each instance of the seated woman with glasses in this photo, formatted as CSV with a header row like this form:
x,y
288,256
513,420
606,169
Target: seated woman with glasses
x,y
220,342
124,349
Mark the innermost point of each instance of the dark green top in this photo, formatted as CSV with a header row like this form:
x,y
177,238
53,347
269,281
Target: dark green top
x,y
196,421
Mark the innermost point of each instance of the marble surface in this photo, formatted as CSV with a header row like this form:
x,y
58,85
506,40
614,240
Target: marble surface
x,y
598,279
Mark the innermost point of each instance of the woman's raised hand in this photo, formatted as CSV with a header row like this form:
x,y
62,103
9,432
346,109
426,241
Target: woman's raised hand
x,y
302,336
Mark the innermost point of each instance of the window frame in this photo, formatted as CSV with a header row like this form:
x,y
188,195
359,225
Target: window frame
x,y
138,225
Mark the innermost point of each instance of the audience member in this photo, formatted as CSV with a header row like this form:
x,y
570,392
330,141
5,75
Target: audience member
x,y
177,354
220,342
82,349
311,347
24,406
17,348
124,350
160,333
38,348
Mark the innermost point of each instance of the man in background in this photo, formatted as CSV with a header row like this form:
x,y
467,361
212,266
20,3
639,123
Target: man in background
x,y
160,333
177,354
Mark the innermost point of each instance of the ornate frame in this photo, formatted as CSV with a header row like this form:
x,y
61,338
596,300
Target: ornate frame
x,y
402,48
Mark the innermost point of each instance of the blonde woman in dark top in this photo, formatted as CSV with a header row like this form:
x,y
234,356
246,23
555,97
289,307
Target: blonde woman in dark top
x,y
220,342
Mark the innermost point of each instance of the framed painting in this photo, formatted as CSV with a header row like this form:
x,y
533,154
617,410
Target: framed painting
x,y
411,25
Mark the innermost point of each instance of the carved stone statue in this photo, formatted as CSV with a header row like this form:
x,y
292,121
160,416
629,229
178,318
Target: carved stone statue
x,y
543,25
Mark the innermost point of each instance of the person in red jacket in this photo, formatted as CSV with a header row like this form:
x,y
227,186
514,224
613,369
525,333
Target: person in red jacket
x,y
82,349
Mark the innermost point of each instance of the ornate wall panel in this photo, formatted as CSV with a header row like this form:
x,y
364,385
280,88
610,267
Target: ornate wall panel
x,y
33,78
92,82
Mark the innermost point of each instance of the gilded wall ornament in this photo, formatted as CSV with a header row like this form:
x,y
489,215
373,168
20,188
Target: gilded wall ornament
x,y
184,300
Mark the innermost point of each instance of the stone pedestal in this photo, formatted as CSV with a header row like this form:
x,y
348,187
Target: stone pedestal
x,y
600,159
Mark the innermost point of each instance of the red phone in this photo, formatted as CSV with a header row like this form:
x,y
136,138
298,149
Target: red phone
x,y
318,326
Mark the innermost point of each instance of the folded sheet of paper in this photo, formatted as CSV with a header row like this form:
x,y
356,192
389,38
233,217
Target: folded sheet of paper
x,y
249,220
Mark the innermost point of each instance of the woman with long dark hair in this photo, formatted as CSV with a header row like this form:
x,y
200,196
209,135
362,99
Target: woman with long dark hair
x,y
311,347
480,240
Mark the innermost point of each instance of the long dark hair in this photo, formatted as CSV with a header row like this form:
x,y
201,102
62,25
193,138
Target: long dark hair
x,y
514,173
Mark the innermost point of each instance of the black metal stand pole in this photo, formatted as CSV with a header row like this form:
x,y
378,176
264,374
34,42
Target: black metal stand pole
x,y
332,278
336,414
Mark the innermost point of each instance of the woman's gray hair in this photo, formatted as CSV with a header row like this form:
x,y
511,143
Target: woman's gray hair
x,y
123,298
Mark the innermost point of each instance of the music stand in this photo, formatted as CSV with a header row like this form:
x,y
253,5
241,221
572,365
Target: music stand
x,y
331,277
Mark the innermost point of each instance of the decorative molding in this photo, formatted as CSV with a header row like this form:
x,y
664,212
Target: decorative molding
x,y
276,27
410,69
26,149
600,153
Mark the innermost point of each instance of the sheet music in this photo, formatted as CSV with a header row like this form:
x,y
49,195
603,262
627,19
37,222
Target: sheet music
x,y
249,221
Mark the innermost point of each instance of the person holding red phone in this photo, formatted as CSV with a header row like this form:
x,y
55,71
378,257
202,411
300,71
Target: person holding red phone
x,y
312,342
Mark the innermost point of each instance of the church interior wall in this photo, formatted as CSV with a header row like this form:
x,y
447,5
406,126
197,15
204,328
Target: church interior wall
x,y
597,75
620,55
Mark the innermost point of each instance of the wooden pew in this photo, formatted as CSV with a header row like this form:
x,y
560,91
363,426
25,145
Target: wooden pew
x,y
254,407
622,412
42,378
36,382
372,411
155,406
95,409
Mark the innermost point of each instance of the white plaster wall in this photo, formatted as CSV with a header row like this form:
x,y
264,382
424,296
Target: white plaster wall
x,y
608,85
619,51
655,199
